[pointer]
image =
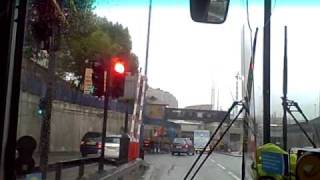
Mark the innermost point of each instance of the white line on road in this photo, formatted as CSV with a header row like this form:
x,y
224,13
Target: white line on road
x,y
222,167
213,160
233,175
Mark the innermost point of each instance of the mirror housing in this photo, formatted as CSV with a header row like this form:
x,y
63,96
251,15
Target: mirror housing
x,y
209,11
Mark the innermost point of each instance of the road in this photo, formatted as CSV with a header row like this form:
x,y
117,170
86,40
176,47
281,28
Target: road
x,y
168,167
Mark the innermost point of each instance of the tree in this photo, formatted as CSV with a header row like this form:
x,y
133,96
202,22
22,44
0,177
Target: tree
x,y
85,38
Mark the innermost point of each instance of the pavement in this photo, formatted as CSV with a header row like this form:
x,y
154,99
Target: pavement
x,y
90,170
168,167
59,156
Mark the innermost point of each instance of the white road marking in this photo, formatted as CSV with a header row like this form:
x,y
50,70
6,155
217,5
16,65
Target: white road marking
x,y
233,175
229,172
222,167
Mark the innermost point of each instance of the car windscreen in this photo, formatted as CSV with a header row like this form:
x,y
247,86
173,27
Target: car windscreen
x,y
113,140
179,141
92,135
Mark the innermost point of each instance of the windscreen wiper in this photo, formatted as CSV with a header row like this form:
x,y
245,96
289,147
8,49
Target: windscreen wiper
x,y
236,103
244,106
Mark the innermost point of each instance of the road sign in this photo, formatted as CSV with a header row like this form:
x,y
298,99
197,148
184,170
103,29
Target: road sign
x,y
34,176
87,86
275,163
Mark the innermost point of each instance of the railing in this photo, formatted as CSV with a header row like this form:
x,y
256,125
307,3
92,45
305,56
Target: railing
x,y
33,80
58,167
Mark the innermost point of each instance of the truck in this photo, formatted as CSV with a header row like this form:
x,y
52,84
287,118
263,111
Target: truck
x,y
200,139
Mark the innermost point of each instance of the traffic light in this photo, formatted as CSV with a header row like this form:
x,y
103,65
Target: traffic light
x,y
42,106
98,70
118,76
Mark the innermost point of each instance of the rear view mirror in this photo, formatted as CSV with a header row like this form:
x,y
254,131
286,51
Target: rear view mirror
x,y
209,11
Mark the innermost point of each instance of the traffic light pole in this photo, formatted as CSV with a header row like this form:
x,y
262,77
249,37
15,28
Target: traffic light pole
x,y
105,117
46,118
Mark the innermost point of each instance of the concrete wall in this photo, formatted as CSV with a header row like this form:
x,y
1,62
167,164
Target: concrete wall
x,y
69,122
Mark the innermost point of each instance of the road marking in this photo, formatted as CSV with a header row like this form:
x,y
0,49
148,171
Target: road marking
x,y
233,175
222,167
213,160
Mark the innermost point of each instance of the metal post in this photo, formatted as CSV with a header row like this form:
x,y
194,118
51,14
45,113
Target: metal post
x,y
146,79
266,71
126,119
148,39
46,119
105,117
285,87
58,171
81,169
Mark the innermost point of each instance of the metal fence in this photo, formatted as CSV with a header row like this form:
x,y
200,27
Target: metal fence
x,y
33,80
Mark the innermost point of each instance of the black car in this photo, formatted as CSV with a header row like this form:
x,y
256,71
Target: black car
x,y
91,143
182,145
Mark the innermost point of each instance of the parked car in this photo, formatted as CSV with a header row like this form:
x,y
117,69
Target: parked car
x,y
112,146
90,143
182,145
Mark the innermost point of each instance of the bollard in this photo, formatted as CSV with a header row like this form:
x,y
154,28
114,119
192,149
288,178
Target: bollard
x,y
124,148
81,168
58,171
24,162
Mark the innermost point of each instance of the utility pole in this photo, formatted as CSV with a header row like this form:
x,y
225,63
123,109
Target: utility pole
x,y
238,77
218,105
54,18
141,155
107,94
266,71
319,106
212,98
285,92
46,118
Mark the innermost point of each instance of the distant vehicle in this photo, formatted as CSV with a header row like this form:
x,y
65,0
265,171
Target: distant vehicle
x,y
200,139
147,144
182,145
91,143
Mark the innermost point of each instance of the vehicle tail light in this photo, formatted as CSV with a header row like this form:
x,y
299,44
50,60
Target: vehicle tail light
x,y
99,145
186,146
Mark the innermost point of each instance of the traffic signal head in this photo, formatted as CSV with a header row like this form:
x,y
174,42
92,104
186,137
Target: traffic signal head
x,y
118,76
119,67
98,80
42,106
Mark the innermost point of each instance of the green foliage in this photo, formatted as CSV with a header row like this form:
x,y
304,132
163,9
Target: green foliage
x,y
83,39
87,37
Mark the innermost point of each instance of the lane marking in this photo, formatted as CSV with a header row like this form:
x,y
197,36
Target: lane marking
x,y
213,160
222,167
233,175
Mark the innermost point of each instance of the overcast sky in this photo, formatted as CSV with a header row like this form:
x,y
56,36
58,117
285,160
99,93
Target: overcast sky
x,y
188,58
185,58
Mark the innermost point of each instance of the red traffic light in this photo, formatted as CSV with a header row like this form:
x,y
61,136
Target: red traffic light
x,y
119,67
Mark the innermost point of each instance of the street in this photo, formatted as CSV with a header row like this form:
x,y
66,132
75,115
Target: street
x,y
168,167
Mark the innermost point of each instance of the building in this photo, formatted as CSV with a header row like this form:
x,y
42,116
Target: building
x,y
232,139
158,96
156,127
